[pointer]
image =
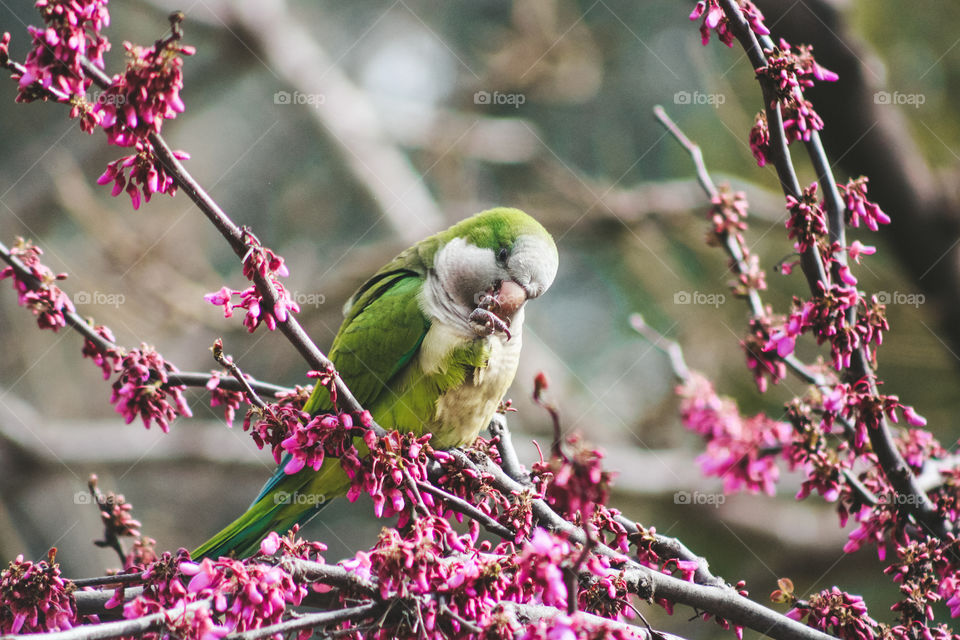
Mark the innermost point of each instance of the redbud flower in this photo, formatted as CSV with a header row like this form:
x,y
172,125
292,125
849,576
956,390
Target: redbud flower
x,y
857,249
760,139
146,174
38,292
106,360
579,481
265,263
714,19
838,613
230,400
72,31
136,103
142,389
35,597
735,445
764,364
859,208
807,222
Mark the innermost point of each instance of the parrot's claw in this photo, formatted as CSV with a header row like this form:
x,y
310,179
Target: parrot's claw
x,y
488,323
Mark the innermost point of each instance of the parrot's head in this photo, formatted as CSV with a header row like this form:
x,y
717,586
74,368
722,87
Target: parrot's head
x,y
489,265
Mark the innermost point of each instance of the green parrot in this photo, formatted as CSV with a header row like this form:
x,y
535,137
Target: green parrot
x,y
429,344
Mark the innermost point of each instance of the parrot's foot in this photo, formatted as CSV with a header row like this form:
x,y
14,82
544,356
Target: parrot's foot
x,y
487,323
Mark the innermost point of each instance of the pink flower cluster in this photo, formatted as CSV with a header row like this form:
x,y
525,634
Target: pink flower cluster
x,y
792,73
857,402
827,317
106,360
760,139
248,595
431,563
735,445
859,209
229,400
71,32
34,597
142,388
807,222
118,519
837,613
727,215
765,365
141,172
578,483
385,474
129,110
137,102
273,423
265,263
38,291
293,545
135,106
714,19
309,443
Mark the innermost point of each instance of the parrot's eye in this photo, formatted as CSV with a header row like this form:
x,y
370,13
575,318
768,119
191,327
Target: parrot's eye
x,y
502,255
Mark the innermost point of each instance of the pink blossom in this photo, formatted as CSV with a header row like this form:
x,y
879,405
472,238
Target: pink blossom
x,y
142,389
137,102
735,445
141,173
71,32
858,249
764,364
760,139
35,597
579,482
258,262
38,291
106,360
859,208
714,19
838,613
229,400
807,222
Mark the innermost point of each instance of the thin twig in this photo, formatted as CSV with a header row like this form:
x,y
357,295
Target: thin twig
x,y
227,362
110,538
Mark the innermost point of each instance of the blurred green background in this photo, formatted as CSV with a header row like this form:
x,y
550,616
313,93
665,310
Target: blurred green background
x,y
343,132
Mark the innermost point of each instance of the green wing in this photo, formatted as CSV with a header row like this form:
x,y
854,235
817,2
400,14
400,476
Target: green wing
x,y
382,332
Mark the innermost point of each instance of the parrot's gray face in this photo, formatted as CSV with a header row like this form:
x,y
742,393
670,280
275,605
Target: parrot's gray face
x,y
482,290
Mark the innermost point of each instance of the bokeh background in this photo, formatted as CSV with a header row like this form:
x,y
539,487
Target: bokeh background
x,y
343,132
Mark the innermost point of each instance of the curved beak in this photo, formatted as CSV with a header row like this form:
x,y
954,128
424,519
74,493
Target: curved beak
x,y
510,297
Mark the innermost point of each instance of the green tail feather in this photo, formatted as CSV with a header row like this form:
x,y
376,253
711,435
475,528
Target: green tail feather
x,y
286,500
242,537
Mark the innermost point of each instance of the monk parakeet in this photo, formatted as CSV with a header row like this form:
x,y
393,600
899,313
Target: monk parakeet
x,y
429,344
